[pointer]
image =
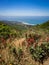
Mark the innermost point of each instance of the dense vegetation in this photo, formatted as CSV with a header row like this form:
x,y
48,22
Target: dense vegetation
x,y
6,31
34,48
40,53
44,25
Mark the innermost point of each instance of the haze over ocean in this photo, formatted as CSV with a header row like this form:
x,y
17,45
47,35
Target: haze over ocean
x,y
27,19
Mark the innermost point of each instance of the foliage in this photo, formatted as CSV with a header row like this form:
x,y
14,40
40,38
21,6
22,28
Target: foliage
x,y
45,25
6,31
45,47
40,53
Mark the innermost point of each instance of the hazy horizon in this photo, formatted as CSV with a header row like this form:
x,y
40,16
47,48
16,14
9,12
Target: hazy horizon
x,y
26,19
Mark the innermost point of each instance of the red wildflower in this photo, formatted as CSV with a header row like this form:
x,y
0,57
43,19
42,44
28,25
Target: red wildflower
x,y
3,40
30,41
47,39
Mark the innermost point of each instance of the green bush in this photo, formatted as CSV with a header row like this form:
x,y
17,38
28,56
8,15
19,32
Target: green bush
x,y
40,53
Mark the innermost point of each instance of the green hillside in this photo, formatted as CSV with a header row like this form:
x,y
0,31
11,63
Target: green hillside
x,y
45,25
11,30
6,31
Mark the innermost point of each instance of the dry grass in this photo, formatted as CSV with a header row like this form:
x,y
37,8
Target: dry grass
x,y
26,58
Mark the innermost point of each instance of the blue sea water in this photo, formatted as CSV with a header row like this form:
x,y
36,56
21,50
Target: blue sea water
x,y
26,19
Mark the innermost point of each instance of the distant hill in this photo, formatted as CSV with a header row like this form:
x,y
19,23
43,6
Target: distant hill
x,y
17,25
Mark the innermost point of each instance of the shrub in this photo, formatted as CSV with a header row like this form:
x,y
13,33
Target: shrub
x,y
38,54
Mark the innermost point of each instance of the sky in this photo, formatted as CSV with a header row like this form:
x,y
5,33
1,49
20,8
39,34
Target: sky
x,y
24,7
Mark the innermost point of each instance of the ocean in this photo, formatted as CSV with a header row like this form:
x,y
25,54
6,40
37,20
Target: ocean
x,y
26,19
